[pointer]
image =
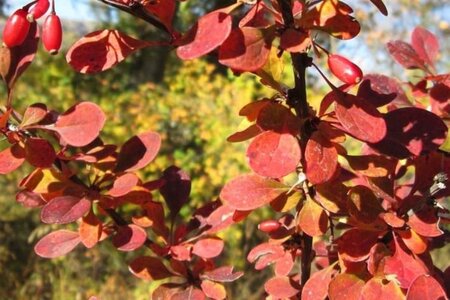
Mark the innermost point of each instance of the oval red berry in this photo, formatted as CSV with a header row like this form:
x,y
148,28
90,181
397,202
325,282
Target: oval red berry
x,y
16,28
38,10
269,226
52,34
344,69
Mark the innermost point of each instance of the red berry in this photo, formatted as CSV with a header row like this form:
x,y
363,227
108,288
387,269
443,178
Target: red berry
x,y
52,34
269,226
16,28
38,10
344,69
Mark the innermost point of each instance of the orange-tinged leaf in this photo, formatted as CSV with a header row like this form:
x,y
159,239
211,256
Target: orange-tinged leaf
x,y
375,263
34,114
274,155
416,243
43,181
245,49
191,293
278,118
11,158
246,134
378,288
372,165
213,290
57,243
312,219
90,230
248,192
316,288
345,286
210,31
80,124
293,40
425,222
101,50
123,184
332,196
149,268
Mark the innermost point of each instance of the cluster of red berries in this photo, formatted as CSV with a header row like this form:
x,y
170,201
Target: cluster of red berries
x,y
18,24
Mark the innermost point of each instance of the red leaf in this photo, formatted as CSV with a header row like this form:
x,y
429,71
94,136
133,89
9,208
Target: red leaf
x,y
149,268
207,34
245,49
425,222
123,184
425,44
377,288
380,90
223,217
129,238
372,165
405,55
363,205
266,254
380,5
345,286
39,152
34,114
208,248
293,40
275,155
282,287
316,288
246,134
90,230
138,152
222,274
30,199
101,50
312,219
403,265
355,244
176,189
213,290
16,60
11,158
248,192
57,243
191,293
416,243
411,131
163,10
321,159
81,124
64,210
360,118
275,117
426,287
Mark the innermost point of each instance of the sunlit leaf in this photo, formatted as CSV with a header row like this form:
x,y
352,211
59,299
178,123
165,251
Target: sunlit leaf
x,y
64,210
57,243
425,287
312,219
149,268
425,44
129,238
208,247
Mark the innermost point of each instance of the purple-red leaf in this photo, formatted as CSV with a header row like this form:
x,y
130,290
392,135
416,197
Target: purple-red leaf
x,y
57,243
411,131
273,154
176,189
208,33
380,5
39,152
360,118
81,124
138,152
321,159
129,238
101,50
245,49
248,192
64,210
405,55
425,44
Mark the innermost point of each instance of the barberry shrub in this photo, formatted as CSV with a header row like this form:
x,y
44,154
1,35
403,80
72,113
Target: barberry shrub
x,y
358,226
